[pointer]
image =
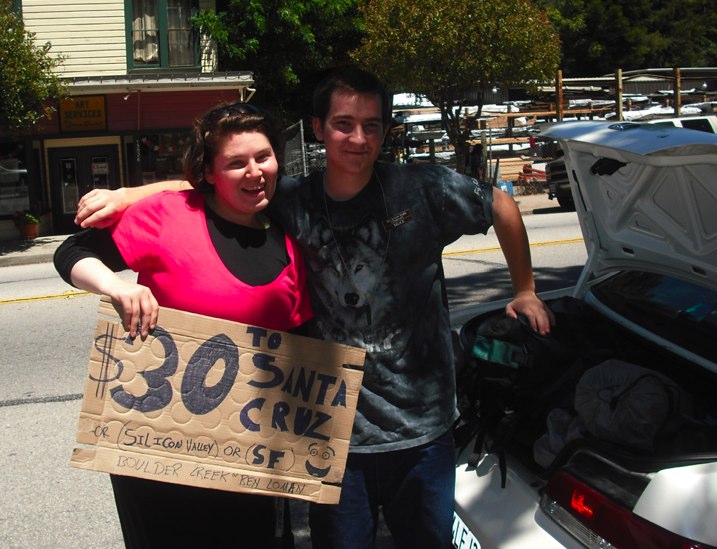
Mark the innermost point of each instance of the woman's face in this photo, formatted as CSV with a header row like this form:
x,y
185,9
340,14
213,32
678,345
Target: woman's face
x,y
244,175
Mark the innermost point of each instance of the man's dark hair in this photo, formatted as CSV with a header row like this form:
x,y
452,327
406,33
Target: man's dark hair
x,y
352,80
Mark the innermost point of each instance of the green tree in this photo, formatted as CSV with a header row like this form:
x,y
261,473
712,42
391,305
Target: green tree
x,y
30,88
285,43
444,49
600,36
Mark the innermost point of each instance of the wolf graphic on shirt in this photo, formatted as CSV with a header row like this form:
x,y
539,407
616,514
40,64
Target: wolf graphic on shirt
x,y
352,282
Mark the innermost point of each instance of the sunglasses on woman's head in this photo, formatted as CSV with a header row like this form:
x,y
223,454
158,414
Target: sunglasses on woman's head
x,y
229,110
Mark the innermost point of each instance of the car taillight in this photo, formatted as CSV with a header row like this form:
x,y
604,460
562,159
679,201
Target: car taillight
x,y
600,523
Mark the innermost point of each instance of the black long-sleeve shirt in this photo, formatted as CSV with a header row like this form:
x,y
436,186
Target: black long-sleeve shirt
x,y
254,256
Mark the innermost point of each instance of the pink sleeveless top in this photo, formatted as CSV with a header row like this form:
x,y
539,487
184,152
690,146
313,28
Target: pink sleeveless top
x,y
165,239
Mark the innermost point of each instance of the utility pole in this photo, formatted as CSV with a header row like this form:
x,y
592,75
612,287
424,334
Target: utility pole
x,y
618,94
559,96
678,92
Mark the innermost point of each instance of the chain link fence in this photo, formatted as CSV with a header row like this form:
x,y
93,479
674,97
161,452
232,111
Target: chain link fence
x,y
294,156
302,157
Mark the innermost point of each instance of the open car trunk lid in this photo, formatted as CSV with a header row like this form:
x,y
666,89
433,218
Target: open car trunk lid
x,y
646,197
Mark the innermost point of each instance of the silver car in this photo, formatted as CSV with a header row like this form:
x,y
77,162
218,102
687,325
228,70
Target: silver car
x,y
605,434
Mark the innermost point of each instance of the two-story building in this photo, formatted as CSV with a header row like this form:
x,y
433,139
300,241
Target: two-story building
x,y
138,75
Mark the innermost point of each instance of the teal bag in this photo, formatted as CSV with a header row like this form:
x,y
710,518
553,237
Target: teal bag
x,y
499,352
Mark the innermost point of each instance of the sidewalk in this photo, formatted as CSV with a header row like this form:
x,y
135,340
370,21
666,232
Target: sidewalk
x,y
41,250
27,252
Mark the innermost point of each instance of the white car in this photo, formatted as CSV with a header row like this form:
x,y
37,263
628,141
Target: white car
x,y
558,182
605,434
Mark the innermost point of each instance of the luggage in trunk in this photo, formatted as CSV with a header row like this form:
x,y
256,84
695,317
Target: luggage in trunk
x,y
589,384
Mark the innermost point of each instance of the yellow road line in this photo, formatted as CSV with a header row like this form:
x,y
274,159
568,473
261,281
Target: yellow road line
x,y
532,245
68,295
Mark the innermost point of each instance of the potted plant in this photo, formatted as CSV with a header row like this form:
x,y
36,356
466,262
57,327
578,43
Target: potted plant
x,y
27,222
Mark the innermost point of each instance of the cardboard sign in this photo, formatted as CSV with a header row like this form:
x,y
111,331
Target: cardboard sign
x,y
219,404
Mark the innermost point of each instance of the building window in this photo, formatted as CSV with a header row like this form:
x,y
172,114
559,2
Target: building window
x,y
14,181
159,156
160,34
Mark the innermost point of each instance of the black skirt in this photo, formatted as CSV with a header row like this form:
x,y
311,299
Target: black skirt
x,y
158,514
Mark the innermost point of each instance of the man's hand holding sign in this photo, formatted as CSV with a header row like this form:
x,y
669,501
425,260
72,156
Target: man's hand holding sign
x,y
219,404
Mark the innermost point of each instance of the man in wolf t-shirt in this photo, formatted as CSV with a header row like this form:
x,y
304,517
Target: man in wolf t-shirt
x,y
372,234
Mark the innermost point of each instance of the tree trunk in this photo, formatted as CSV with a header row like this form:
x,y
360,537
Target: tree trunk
x,y
461,150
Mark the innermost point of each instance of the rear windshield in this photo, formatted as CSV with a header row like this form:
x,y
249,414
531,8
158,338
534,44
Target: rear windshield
x,y
701,124
678,311
698,124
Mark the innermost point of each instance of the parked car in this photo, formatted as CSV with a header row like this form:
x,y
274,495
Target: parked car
x,y
604,434
556,175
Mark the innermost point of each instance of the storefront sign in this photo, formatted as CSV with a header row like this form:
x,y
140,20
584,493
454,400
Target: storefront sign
x,y
86,113
218,404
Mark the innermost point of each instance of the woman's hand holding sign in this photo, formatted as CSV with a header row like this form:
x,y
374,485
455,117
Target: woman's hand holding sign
x,y
134,303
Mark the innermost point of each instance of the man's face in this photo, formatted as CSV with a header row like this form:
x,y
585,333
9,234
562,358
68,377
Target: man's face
x,y
352,132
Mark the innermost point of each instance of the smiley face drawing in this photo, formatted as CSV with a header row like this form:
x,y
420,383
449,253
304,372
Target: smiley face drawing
x,y
318,455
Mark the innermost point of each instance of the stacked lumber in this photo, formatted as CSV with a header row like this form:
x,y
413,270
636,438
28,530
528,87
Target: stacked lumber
x,y
510,168
531,175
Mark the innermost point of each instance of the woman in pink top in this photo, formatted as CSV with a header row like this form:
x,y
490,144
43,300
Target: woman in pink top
x,y
208,250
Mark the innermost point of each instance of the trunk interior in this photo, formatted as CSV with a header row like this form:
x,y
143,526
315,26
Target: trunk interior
x,y
534,408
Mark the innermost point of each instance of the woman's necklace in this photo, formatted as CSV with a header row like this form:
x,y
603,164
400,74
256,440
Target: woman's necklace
x,y
369,295
263,221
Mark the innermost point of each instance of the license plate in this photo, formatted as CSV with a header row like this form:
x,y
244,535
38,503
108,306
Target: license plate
x,y
463,538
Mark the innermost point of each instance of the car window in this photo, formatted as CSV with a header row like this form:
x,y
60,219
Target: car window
x,y
674,309
697,124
